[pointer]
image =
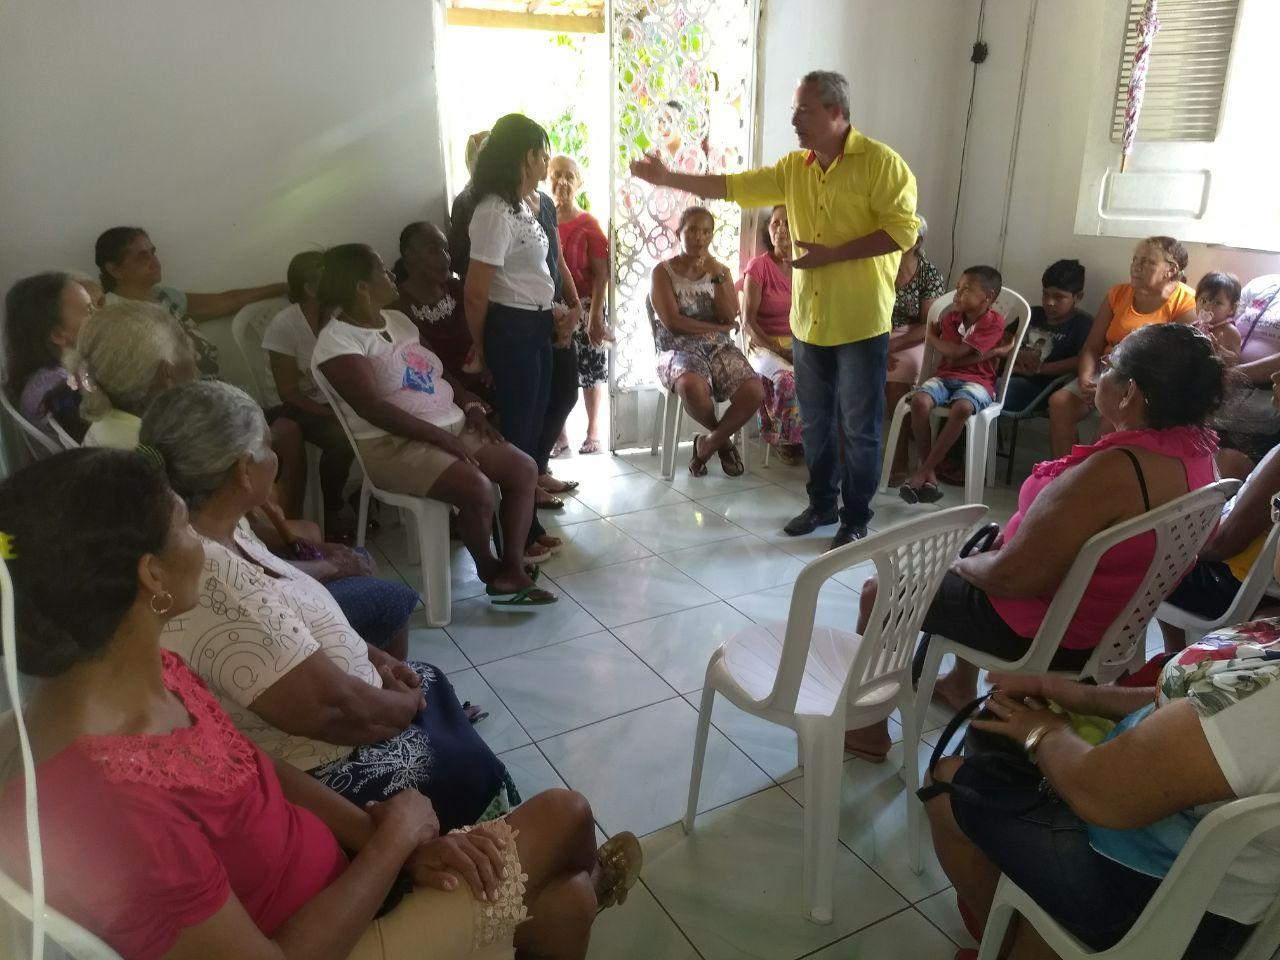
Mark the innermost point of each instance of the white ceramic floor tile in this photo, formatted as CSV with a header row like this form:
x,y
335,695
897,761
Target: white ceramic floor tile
x,y
571,684
644,461
713,484
679,644
854,577
942,910
634,768
499,730
592,544
530,770
873,823
903,936
760,509
638,930
837,605
591,468
734,885
730,568
575,511
432,645
771,745
627,494
636,590
463,581
667,529
485,632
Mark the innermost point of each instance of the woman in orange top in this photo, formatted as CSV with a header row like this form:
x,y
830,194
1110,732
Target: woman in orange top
x,y
1155,293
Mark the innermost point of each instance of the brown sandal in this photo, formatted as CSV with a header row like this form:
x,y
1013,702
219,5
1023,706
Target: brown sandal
x,y
697,464
620,860
731,461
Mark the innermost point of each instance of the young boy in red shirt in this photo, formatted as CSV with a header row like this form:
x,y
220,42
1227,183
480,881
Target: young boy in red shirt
x,y
965,379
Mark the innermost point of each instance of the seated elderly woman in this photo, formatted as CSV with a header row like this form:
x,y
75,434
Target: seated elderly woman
x,y
696,311
128,353
1093,849
766,316
167,833
398,400
1158,387
43,315
276,649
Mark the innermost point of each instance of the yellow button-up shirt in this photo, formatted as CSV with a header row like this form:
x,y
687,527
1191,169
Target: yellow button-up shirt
x,y
868,188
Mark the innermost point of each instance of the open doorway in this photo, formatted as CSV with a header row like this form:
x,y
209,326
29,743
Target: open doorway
x,y
559,79
609,81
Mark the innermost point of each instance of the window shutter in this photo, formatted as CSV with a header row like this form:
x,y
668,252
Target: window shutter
x,y
1186,73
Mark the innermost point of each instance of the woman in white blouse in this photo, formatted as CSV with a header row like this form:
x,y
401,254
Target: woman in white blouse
x,y
510,290
399,402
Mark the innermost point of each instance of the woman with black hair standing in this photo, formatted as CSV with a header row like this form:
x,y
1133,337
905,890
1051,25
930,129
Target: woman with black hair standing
x,y
510,289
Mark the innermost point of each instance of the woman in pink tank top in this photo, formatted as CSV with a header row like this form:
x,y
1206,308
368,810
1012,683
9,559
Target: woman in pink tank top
x,y
1158,387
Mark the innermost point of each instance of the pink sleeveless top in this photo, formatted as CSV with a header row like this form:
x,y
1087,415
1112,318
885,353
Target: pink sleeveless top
x,y
1121,569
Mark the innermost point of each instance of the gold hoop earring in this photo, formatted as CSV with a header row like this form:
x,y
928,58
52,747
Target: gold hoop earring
x,y
168,603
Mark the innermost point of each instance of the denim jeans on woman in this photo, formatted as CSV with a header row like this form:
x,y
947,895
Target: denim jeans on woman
x,y
517,350
841,391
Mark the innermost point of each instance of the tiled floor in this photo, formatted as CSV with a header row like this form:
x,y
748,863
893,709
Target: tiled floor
x,y
600,692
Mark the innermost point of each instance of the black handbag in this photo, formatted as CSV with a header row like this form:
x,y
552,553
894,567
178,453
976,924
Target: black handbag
x,y
999,775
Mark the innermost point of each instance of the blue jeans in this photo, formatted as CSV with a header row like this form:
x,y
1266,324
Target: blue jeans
x,y
1022,390
841,391
517,350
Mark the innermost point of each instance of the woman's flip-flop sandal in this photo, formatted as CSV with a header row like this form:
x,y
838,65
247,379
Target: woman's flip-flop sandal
x,y
473,713
589,446
697,464
731,461
909,493
532,571
552,502
528,597
929,493
620,859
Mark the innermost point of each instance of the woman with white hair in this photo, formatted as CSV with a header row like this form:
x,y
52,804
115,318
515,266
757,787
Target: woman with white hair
x,y
127,354
276,650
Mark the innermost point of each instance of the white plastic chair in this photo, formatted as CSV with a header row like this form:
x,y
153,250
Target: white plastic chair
x,y
68,442
426,535
980,447
38,443
29,918
248,327
820,682
668,416
1247,598
1165,927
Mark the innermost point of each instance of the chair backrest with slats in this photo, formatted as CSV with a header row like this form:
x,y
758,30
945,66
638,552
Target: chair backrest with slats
x,y
1181,528
38,443
248,328
910,561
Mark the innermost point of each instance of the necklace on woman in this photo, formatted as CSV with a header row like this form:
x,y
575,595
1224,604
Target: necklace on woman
x,y
442,310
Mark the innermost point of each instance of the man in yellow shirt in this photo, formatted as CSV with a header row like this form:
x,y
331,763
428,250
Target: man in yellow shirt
x,y
851,204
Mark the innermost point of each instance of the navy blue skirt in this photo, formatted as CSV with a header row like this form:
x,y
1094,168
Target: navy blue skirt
x,y
439,754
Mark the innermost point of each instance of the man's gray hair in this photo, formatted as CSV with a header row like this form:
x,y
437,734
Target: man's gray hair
x,y
921,231
201,430
119,354
833,88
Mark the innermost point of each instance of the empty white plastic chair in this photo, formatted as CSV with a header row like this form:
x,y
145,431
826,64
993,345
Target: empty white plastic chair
x,y
669,416
248,327
1170,919
426,524
1247,598
820,682
980,448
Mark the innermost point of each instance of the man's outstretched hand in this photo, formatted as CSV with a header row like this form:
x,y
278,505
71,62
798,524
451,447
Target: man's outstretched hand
x,y
815,255
650,169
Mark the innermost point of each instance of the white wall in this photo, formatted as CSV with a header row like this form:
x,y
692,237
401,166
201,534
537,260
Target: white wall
x,y
907,62
237,132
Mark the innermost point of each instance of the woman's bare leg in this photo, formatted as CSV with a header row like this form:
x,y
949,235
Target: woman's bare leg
x,y
592,397
557,847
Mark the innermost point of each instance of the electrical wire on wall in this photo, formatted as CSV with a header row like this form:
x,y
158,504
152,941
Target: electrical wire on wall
x,y
978,55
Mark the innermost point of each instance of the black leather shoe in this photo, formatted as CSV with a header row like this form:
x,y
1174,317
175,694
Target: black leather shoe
x,y
810,520
847,534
